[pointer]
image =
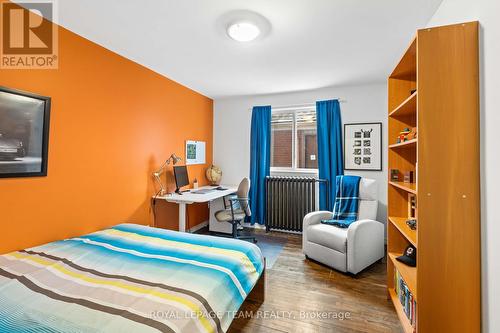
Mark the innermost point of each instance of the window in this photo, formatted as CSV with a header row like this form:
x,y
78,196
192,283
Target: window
x,y
293,139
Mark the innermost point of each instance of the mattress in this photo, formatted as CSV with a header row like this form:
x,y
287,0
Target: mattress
x,y
128,278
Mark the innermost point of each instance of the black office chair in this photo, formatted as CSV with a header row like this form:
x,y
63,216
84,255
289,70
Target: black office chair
x,y
236,209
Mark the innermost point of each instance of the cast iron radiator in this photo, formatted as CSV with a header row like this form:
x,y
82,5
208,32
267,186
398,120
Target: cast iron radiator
x,y
288,200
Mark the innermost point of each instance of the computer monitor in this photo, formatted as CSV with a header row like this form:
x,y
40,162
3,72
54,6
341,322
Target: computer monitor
x,y
181,177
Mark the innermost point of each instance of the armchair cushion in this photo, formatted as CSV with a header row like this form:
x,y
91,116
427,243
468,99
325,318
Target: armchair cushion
x,y
328,236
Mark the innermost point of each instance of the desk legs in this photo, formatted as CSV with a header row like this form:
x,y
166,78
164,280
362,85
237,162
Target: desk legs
x,y
182,217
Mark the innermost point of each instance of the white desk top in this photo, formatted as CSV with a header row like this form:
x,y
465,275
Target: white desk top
x,y
190,197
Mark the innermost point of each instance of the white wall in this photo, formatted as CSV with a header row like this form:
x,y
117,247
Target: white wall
x,y
232,118
487,12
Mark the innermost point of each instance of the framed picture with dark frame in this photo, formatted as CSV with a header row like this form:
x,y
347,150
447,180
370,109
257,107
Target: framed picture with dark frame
x,y
363,146
24,133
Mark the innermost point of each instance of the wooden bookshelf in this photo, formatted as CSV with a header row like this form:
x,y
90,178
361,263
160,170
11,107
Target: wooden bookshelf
x,y
405,144
406,68
408,187
405,323
408,273
434,87
407,108
404,229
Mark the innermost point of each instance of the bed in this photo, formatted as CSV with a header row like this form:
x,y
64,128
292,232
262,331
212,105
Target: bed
x,y
128,278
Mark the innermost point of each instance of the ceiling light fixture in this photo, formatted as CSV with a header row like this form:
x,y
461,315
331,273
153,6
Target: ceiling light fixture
x,y
243,31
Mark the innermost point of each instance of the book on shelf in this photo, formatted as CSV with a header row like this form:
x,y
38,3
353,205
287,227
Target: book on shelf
x,y
405,298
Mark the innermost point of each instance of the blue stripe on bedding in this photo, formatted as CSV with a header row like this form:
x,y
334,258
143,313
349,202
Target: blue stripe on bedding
x,y
236,269
186,254
219,242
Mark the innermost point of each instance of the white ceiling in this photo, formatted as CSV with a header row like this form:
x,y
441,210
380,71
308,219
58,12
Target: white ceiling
x,y
312,43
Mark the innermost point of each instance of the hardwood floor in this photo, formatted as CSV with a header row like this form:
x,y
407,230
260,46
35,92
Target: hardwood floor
x,y
297,288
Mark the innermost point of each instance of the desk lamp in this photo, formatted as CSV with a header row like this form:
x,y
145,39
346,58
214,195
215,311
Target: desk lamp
x,y
157,174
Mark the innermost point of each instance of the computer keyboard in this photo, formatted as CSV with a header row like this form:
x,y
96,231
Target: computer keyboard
x,y
203,191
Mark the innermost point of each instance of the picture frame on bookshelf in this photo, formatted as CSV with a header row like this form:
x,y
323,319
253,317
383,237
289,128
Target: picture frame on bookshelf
x,y
369,135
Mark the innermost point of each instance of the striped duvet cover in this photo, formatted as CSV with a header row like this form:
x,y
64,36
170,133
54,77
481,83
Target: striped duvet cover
x,y
129,278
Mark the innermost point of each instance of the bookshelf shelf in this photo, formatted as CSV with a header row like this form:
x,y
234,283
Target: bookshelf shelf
x,y
406,144
407,108
409,274
408,187
400,224
406,69
405,323
436,79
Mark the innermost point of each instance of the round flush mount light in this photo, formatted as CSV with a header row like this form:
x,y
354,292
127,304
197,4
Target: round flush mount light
x,y
243,26
243,31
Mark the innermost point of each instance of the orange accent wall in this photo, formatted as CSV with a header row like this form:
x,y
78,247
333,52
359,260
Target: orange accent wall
x,y
112,123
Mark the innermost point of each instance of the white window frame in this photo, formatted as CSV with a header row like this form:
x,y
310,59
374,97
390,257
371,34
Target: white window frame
x,y
293,169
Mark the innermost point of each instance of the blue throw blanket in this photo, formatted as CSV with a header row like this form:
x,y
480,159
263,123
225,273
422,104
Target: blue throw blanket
x,y
345,210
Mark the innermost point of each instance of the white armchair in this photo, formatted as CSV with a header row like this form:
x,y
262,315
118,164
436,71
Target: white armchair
x,y
351,249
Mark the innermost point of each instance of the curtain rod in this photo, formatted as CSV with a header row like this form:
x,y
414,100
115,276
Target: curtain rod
x,y
298,106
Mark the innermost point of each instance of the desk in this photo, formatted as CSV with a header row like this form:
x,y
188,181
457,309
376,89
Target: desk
x,y
188,198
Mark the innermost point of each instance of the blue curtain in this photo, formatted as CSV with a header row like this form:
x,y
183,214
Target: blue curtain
x,y
330,158
260,161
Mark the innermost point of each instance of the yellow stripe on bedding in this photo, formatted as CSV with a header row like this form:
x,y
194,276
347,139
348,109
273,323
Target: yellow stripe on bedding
x,y
140,290
249,266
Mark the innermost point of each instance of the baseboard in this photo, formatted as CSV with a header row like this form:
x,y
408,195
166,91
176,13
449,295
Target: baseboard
x,y
199,226
287,231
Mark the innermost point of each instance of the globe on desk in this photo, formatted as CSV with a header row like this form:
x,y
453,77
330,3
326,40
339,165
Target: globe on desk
x,y
214,174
